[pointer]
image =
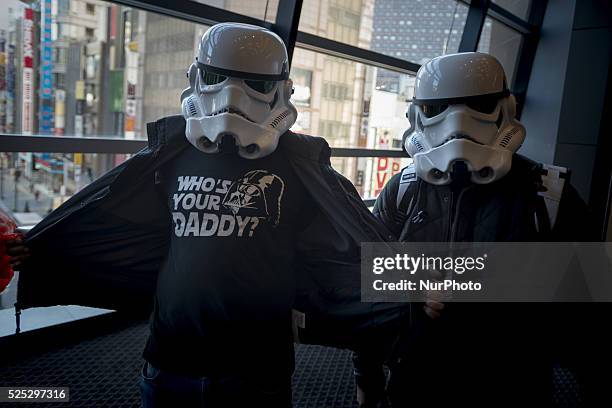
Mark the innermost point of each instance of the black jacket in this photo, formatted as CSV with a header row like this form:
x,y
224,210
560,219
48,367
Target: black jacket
x,y
509,209
104,246
505,334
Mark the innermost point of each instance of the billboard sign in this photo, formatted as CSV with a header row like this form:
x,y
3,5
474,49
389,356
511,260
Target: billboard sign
x,y
27,81
46,70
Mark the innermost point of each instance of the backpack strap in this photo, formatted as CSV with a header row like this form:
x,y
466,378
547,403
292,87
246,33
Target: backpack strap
x,y
553,181
407,178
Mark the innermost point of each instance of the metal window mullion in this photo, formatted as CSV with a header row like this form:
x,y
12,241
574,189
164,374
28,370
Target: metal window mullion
x,y
358,152
511,20
287,23
335,48
474,22
205,14
192,11
528,52
66,144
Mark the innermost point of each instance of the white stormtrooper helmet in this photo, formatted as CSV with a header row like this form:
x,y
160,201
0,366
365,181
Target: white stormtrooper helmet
x,y
463,111
239,86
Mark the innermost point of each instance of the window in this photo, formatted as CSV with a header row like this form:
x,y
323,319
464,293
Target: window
x,y
520,8
110,76
339,92
111,79
63,6
503,43
352,25
344,17
355,105
45,181
302,85
60,55
59,81
260,9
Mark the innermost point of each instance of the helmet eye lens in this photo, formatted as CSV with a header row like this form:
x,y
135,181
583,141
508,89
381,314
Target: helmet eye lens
x,y
433,110
484,104
261,86
212,79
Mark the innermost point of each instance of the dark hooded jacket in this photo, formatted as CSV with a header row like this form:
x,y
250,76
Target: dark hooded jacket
x,y
104,246
508,210
486,343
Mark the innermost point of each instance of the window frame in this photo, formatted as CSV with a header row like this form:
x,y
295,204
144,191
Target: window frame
x,y
287,23
286,26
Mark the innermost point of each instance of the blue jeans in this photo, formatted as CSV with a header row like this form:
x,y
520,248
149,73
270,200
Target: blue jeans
x,y
163,389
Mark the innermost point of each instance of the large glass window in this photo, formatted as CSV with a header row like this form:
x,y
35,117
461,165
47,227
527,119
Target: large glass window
x,y
352,104
502,42
520,8
260,9
31,186
93,68
412,30
38,183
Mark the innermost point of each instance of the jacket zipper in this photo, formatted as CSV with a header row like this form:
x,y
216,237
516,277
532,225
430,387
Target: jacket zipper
x,y
455,215
451,218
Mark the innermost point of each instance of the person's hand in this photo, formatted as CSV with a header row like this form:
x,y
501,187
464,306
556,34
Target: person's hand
x,y
17,250
433,304
434,298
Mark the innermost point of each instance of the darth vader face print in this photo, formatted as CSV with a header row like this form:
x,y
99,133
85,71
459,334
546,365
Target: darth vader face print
x,y
256,194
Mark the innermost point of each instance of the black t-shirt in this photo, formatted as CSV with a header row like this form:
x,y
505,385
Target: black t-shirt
x,y
224,293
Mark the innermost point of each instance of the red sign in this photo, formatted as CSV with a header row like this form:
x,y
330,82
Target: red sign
x,y
385,169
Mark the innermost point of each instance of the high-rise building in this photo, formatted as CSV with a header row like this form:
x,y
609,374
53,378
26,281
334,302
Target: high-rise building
x,y
416,31
169,50
3,81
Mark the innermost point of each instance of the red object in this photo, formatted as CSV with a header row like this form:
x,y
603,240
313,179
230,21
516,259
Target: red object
x,y
7,233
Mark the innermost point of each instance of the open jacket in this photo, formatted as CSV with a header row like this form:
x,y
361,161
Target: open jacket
x,y
104,246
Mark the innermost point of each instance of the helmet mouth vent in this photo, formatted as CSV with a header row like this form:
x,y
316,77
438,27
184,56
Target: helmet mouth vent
x,y
252,148
206,145
205,142
437,174
485,172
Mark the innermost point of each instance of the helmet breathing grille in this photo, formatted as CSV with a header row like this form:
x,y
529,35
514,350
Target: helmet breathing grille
x,y
279,118
416,141
505,140
192,106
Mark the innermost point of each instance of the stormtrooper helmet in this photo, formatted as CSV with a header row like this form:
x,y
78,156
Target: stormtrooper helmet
x,y
463,112
239,86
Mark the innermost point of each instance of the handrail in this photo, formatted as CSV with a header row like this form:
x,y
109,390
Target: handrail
x,y
67,144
